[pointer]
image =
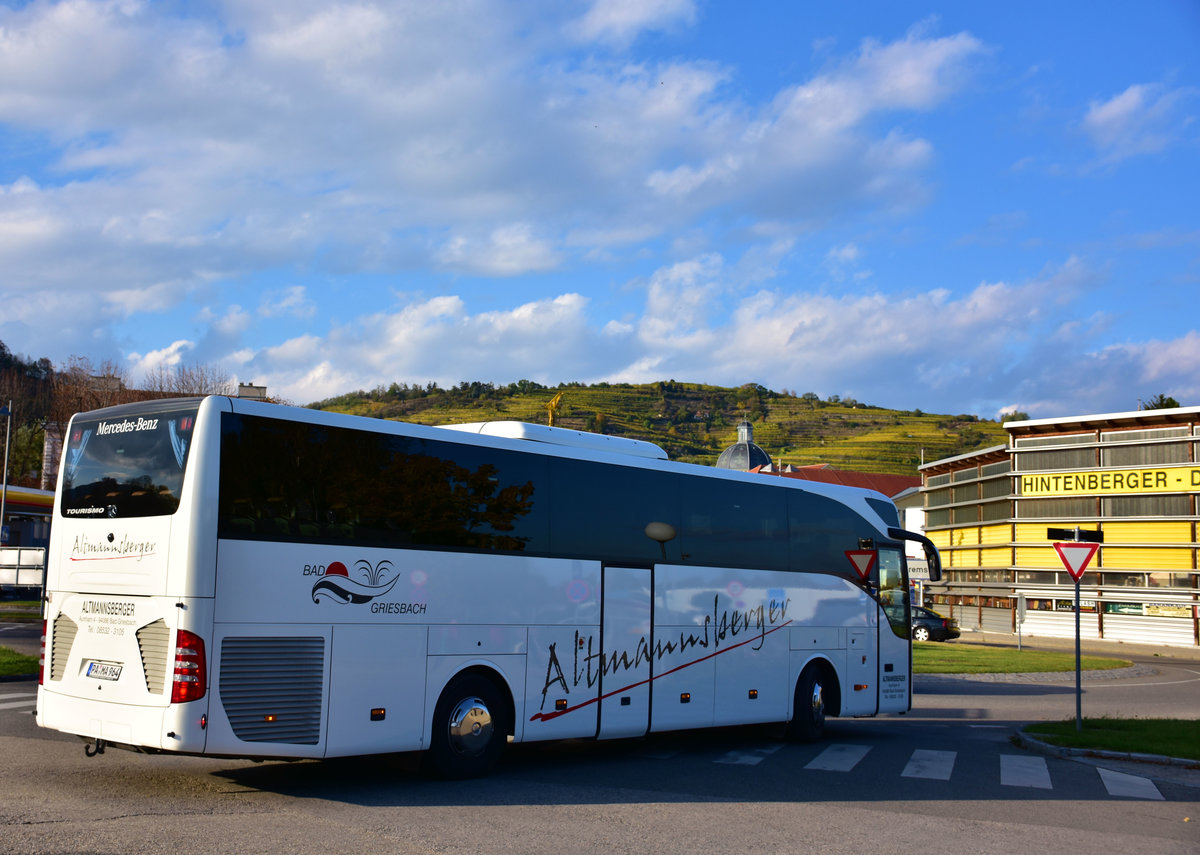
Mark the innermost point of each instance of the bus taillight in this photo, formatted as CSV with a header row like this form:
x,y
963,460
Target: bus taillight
x,y
190,671
42,658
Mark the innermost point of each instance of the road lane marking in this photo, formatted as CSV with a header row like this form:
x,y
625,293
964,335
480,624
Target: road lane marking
x,y
1104,685
1131,786
12,702
925,763
1020,771
839,758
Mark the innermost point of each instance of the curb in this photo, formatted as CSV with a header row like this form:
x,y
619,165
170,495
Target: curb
x,y
1087,675
17,678
1032,743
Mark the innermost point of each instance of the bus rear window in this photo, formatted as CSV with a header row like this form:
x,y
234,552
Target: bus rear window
x,y
128,464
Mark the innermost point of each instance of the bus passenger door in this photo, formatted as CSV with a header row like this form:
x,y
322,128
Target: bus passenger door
x,y
895,649
625,658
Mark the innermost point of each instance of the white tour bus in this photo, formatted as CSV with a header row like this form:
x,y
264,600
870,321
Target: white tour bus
x,y
236,578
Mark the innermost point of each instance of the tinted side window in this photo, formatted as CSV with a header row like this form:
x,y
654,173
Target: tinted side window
x,y
283,480
728,523
822,530
601,511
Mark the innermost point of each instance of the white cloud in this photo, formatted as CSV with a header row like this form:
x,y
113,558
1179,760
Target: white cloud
x,y
397,137
143,365
508,251
679,303
1141,120
1162,361
347,35
991,345
843,254
291,301
1112,378
915,72
438,340
810,149
235,320
621,21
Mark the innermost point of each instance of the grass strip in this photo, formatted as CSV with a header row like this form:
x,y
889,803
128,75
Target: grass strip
x,y
14,664
1166,736
939,658
20,611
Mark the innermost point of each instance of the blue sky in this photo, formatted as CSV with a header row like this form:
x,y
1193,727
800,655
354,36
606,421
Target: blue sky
x,y
966,208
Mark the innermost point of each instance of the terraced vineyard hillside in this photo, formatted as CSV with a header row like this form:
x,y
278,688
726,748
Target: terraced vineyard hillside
x,y
695,422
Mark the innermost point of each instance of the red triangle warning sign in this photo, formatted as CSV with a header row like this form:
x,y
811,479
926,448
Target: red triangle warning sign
x,y
863,561
1076,557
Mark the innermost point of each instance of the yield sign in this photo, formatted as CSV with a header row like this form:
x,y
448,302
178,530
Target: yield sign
x,y
1076,557
863,561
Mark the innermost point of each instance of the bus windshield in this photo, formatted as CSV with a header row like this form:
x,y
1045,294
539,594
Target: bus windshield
x,y
128,466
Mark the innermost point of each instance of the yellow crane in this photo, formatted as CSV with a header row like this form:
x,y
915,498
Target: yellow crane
x,y
552,408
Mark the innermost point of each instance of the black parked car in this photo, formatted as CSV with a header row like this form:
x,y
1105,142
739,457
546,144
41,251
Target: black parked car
x,y
928,625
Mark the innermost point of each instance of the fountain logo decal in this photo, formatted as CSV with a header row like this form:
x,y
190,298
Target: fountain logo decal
x,y
372,582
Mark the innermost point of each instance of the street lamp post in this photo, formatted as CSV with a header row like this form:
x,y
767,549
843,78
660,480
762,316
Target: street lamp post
x,y
7,412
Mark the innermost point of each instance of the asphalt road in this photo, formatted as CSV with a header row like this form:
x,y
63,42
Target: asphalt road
x,y
22,637
944,777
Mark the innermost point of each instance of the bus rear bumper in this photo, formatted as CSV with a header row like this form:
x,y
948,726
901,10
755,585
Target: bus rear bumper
x,y
176,728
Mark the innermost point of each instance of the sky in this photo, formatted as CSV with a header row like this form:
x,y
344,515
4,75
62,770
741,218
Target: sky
x,y
957,207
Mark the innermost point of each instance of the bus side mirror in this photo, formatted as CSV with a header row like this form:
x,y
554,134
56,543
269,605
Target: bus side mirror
x,y
935,562
931,552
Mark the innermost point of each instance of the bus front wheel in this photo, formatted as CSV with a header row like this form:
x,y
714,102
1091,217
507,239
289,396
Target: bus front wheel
x,y
469,728
808,710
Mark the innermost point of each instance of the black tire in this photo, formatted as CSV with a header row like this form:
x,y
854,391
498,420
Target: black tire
x,y
920,634
470,728
808,708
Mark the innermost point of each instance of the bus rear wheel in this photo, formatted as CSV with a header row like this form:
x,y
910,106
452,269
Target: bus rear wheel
x,y
469,728
808,710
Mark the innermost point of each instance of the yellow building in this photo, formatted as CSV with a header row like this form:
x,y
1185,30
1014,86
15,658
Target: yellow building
x,y
1135,477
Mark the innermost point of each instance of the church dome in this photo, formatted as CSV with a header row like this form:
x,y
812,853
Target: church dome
x,y
743,455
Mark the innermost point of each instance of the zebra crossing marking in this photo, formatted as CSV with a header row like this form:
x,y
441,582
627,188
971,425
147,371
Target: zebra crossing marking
x,y
1019,771
838,758
1130,786
926,763
1015,770
750,757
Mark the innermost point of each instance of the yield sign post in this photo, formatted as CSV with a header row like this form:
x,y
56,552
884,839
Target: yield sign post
x,y
1076,556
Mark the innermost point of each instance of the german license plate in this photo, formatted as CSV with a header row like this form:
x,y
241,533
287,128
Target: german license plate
x,y
104,670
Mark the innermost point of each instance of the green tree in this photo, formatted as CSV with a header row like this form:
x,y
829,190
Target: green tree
x,y
1161,402
25,455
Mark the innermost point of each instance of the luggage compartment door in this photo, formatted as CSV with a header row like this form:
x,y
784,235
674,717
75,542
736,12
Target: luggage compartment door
x,y
625,645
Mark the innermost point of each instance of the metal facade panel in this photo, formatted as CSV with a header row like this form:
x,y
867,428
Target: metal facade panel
x,y
1141,629
1145,531
1038,557
989,534
1146,558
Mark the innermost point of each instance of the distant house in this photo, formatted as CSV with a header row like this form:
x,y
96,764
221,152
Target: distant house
x,y
745,456
892,486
